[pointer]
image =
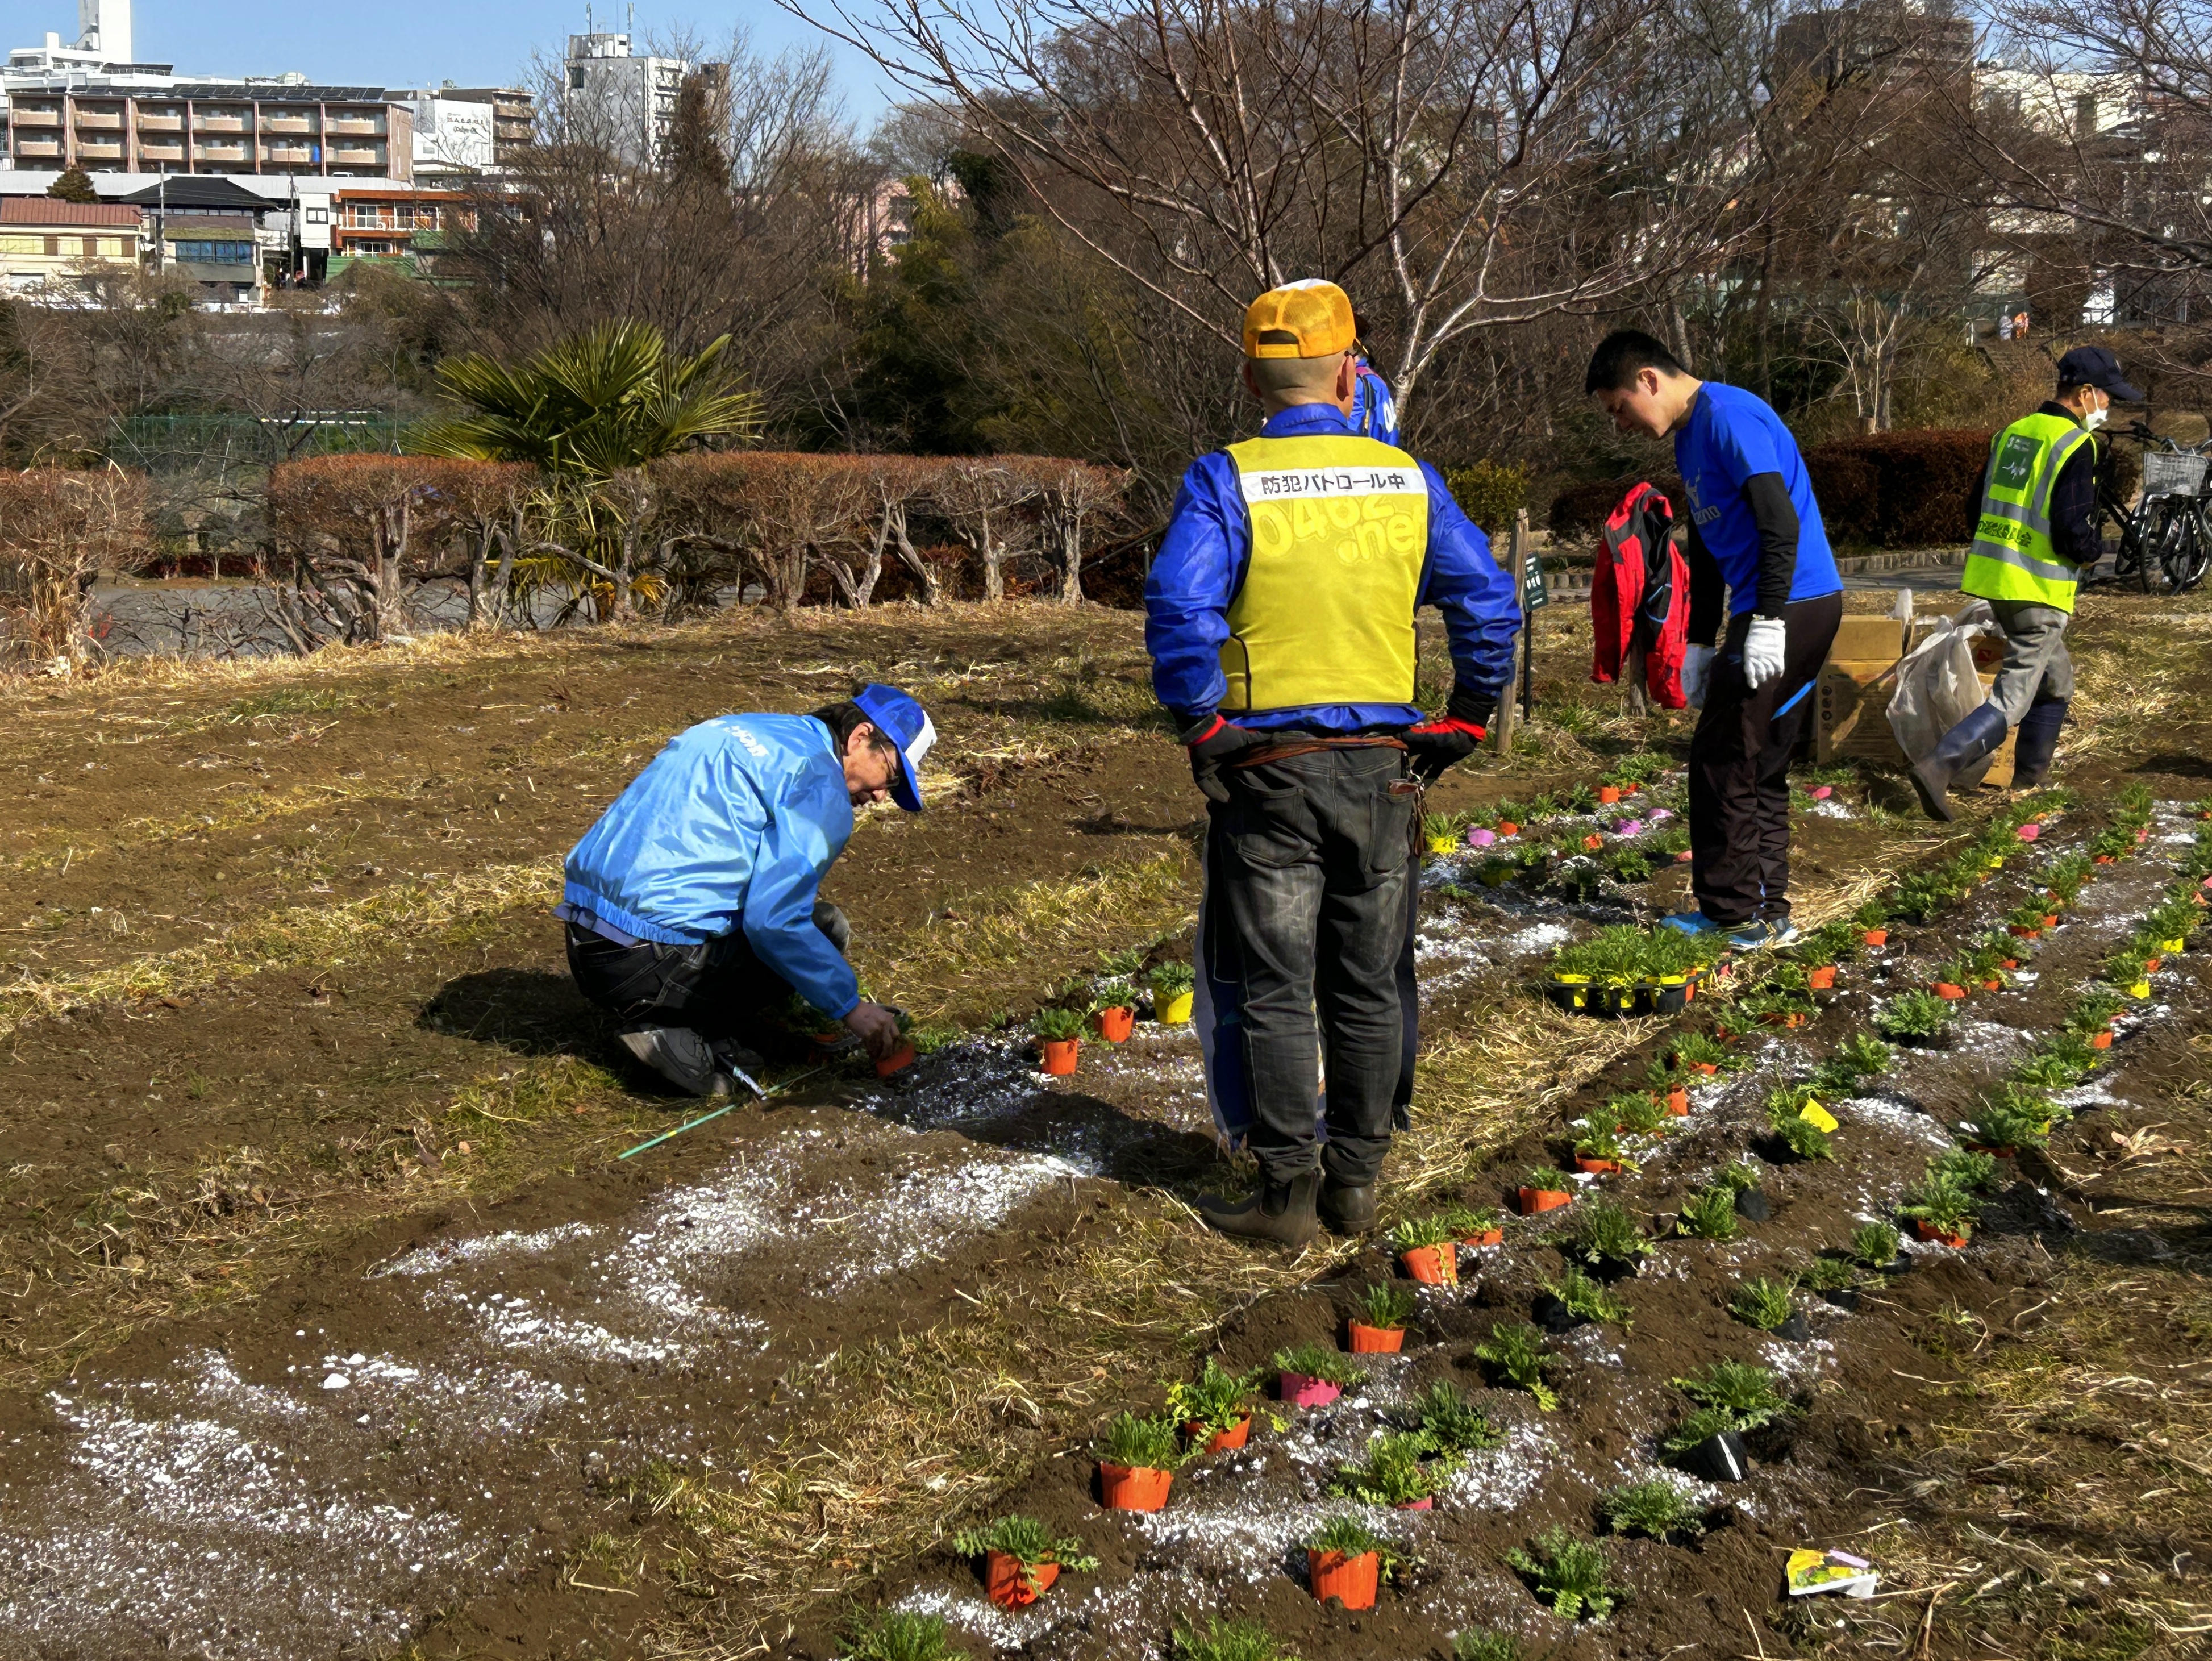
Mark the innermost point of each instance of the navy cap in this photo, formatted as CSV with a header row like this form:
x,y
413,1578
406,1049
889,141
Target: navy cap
x,y
908,725
2093,365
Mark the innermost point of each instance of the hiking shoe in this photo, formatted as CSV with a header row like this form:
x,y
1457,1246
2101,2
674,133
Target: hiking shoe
x,y
1343,1208
679,1056
1281,1212
1757,936
1690,922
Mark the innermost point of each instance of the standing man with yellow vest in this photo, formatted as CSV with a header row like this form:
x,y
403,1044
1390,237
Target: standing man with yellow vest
x,y
2037,533
1280,618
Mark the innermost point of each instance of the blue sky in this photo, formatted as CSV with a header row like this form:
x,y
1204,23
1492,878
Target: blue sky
x,y
398,43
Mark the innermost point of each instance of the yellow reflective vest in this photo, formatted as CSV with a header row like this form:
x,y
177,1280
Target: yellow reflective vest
x,y
2012,557
1339,532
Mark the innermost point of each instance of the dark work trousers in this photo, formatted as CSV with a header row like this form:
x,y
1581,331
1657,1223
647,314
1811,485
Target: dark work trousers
x,y
1739,769
719,989
1301,931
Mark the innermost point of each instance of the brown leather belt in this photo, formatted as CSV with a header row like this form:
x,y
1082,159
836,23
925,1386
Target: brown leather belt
x,y
1308,745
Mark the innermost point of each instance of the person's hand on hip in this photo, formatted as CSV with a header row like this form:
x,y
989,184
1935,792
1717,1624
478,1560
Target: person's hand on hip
x,y
1763,651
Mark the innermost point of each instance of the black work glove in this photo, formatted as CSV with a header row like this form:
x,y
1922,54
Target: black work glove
x,y
1436,746
1212,742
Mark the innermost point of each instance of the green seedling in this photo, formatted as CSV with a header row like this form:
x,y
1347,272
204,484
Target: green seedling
x,y
1588,1299
1053,1025
1638,1114
1172,980
1709,1214
1550,1179
2007,1119
1570,1573
1603,1143
1942,1205
1515,1351
1874,914
1114,992
1350,1538
1486,1646
1828,1274
1612,956
1238,1639
1025,1540
1387,1307
1331,1366
1146,1442
1467,1223
1415,1233
1700,1049
1762,1302
1964,1169
1805,1139
1401,1466
1874,1245
1217,1400
1695,1427
2094,1010
1743,1390
1654,1507
1787,1101
1608,1233
1440,827
1914,1016
895,1635
1739,1177
1864,1054
1453,1423
2061,1060
1628,865
2028,916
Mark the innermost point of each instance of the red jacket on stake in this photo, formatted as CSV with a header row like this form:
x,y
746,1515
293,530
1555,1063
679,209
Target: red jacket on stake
x,y
1640,598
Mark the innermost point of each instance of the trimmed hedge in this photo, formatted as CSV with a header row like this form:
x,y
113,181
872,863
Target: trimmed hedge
x,y
1582,509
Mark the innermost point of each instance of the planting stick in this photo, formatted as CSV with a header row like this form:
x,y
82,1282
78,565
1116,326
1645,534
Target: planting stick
x,y
666,1135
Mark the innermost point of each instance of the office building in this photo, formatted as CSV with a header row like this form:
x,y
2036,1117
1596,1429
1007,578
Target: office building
x,y
623,103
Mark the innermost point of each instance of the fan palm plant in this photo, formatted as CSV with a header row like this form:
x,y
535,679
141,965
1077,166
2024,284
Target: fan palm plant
x,y
590,412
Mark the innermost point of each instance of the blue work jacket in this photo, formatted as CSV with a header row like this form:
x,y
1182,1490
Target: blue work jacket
x,y
731,826
1208,548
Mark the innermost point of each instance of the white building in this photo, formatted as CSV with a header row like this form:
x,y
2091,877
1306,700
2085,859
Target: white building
x,y
452,135
622,101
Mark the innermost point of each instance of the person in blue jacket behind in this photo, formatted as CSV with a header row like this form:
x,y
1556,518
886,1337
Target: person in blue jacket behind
x,y
1280,618
692,906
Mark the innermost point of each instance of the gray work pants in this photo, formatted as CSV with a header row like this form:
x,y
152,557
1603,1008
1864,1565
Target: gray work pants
x,y
2036,667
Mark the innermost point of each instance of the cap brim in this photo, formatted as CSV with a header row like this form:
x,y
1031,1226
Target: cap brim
x,y
2127,391
906,789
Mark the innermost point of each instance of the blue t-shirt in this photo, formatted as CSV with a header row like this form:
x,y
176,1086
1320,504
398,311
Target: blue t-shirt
x,y
1732,437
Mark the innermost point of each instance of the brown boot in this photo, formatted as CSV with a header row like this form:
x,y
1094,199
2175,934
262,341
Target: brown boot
x,y
1281,1211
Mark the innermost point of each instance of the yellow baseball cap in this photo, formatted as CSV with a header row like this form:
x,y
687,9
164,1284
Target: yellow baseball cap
x,y
1311,317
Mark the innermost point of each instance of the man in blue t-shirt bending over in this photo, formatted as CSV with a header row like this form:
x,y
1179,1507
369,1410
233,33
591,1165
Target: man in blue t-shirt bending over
x,y
1755,532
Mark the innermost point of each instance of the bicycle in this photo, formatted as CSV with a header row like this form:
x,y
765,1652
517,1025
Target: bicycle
x,y
2166,539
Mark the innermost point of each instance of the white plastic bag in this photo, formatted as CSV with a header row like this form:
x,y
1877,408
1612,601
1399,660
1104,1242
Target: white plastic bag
x,y
1938,687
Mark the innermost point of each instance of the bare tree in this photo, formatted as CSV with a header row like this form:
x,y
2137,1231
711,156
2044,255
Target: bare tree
x,y
1467,163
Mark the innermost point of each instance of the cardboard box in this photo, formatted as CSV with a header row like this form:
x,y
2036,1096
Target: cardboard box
x,y
1850,711
1867,640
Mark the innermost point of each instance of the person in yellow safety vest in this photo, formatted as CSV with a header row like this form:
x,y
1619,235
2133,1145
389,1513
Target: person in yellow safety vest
x,y
2037,533
1280,618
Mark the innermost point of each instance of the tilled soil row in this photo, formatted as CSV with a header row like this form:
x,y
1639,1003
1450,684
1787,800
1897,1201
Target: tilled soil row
x,y
1231,1540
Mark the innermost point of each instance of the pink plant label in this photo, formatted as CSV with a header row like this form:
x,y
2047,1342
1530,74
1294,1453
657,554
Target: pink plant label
x,y
1629,827
1822,792
2030,831
1479,838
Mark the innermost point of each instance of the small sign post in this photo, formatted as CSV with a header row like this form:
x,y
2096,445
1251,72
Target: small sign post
x,y
1534,595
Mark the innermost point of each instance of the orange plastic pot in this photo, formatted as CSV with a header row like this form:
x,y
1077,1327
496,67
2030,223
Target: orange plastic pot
x,y
2009,963
1592,841
1711,1069
1945,990
1376,1341
1488,1237
1631,786
1352,1581
1115,1025
1992,986
1221,1441
1876,936
1607,795
1534,1200
2022,932
2103,859
1927,1232
2050,920
1060,1054
1783,1018
897,1061
1508,828
1132,1487
2151,966
1012,1583
1678,1103
2101,1040
1432,1265
1822,978
1596,1167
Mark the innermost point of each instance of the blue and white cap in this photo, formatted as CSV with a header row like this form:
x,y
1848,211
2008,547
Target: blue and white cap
x,y
908,726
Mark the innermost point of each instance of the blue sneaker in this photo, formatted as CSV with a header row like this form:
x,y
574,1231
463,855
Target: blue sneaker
x,y
1690,922
1757,936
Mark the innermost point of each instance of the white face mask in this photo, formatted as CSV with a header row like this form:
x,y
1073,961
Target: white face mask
x,y
2096,418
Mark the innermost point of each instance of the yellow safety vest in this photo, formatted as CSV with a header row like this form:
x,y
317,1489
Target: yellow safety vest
x,y
1340,531
2012,557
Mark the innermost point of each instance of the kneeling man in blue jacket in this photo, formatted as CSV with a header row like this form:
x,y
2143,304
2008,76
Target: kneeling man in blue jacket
x,y
691,905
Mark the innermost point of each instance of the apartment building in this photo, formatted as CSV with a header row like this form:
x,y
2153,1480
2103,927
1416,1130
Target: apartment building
x,y
617,100
47,246
383,223
462,130
285,125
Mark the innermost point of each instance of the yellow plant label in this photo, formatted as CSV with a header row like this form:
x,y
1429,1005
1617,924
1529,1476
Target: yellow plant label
x,y
1813,1114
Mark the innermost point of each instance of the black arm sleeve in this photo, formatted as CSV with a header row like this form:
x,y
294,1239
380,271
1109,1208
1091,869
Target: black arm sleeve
x,y
2075,533
1708,593
1777,519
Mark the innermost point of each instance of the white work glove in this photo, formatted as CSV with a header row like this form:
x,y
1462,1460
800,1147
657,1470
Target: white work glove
x,y
1697,675
1762,652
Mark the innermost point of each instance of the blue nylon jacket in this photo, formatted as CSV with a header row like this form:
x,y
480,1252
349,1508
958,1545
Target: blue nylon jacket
x,y
1374,411
1208,548
731,826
